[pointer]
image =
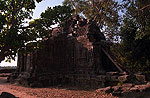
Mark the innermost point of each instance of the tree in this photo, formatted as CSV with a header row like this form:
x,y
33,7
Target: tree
x,y
139,11
13,14
104,12
15,32
42,27
135,36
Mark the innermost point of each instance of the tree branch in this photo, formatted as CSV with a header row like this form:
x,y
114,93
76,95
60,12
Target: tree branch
x,y
145,7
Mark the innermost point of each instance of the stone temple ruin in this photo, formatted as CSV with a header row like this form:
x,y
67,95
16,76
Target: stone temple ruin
x,y
77,55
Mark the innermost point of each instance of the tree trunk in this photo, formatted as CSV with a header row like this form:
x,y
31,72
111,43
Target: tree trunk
x,y
2,57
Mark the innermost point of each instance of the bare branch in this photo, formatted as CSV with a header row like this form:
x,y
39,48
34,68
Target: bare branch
x,y
145,7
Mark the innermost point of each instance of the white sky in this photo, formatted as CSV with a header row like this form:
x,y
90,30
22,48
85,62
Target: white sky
x,y
40,7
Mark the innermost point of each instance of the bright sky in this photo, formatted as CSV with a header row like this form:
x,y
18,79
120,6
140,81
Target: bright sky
x,y
40,7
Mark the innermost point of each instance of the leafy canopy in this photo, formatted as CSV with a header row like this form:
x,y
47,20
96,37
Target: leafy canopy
x,y
104,12
135,36
14,15
16,32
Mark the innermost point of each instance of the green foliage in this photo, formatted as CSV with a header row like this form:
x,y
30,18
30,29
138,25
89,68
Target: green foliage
x,y
52,16
139,10
134,49
104,12
16,32
13,16
56,15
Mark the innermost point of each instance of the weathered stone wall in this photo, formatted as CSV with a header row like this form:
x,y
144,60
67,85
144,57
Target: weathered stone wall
x,y
63,53
67,58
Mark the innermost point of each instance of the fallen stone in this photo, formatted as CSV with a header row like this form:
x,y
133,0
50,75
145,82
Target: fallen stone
x,y
112,73
132,79
126,89
7,95
122,78
122,73
134,89
110,90
148,83
106,90
142,88
140,77
116,88
117,94
129,90
127,85
114,78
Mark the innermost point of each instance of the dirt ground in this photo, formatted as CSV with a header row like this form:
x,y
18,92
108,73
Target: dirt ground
x,y
51,92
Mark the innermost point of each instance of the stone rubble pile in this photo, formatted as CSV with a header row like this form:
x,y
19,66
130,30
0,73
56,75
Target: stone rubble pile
x,y
135,87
